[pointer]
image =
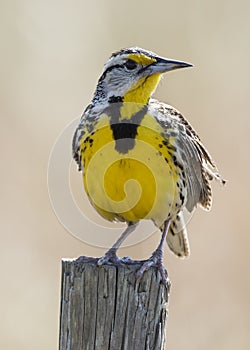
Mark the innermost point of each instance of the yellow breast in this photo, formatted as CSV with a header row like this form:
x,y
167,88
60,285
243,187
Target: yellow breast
x,y
138,184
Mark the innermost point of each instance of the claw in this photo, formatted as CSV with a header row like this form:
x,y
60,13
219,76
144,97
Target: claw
x,y
109,257
86,259
127,260
154,260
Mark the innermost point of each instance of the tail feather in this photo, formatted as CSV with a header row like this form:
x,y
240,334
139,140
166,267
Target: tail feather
x,y
177,238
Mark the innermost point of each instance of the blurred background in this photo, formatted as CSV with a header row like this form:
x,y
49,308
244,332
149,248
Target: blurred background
x,y
52,53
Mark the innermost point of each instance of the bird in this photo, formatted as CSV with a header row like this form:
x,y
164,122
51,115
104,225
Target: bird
x,y
140,158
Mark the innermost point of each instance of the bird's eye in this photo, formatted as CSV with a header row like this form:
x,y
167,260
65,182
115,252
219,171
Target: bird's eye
x,y
130,64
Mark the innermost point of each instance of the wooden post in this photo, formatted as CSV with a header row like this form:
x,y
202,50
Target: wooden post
x,y
106,308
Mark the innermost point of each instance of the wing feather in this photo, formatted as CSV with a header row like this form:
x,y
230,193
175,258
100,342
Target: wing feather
x,y
198,165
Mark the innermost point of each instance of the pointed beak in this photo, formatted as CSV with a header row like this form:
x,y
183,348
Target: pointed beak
x,y
163,65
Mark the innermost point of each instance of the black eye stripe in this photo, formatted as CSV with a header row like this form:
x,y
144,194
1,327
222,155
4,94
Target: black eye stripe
x,y
110,69
129,64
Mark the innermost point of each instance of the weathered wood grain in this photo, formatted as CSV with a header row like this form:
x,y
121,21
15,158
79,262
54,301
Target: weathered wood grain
x,y
106,308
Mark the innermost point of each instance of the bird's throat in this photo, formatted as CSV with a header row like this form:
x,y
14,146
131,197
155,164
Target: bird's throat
x,y
143,89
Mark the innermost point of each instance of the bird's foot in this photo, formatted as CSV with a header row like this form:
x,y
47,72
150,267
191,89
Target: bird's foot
x,y
109,257
86,259
155,260
127,260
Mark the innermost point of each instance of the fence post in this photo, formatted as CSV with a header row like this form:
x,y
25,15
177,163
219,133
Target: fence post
x,y
106,308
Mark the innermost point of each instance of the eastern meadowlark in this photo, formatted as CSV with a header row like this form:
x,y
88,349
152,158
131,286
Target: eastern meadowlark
x,y
140,158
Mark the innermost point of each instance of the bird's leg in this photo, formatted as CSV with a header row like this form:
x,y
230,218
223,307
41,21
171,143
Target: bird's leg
x,y
156,258
110,255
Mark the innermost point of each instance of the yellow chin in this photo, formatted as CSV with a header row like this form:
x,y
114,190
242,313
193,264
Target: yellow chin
x,y
143,89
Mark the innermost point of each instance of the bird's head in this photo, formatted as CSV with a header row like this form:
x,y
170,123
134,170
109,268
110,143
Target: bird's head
x,y
132,75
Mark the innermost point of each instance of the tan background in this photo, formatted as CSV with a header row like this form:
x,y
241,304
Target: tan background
x,y
52,53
